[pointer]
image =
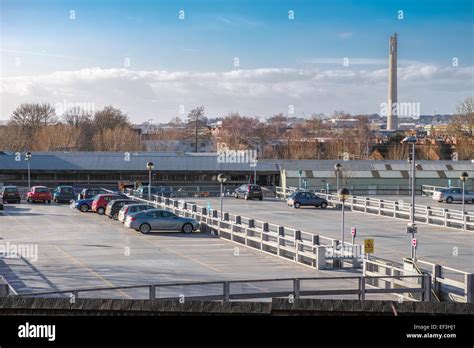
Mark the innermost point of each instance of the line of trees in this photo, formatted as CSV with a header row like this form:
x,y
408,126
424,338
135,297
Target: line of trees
x,y
36,127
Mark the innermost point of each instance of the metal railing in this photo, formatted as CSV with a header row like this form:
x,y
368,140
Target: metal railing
x,y
447,284
399,210
302,247
224,290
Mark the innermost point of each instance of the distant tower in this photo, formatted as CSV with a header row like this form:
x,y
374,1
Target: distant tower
x,y
392,118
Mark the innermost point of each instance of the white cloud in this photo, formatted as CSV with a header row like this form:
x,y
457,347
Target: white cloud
x,y
260,92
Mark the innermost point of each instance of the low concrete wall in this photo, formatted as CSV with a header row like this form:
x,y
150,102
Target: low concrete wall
x,y
278,307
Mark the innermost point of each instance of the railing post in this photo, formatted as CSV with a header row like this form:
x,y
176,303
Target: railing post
x,y
238,219
436,273
226,291
281,233
296,288
469,279
226,216
297,244
426,296
361,288
152,292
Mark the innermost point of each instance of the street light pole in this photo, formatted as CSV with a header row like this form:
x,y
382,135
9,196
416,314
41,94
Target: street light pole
x,y
463,178
27,159
150,166
412,229
222,179
343,193
337,168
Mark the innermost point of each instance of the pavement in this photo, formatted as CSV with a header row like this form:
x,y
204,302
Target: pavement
x,y
445,246
85,250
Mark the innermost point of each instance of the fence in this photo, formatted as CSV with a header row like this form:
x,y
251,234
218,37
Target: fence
x,y
399,210
302,247
252,289
447,284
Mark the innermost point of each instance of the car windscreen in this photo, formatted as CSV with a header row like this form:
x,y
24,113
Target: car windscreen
x,y
255,188
41,189
11,190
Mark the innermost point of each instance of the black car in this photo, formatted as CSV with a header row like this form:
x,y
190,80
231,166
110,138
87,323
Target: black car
x,y
301,199
248,191
90,192
1,205
64,194
10,194
113,207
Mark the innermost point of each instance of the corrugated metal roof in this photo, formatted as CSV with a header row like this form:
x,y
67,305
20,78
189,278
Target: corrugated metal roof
x,y
179,161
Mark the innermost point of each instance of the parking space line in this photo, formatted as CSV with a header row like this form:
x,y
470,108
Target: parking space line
x,y
94,273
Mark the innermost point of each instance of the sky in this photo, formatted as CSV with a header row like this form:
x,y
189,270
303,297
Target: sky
x,y
159,59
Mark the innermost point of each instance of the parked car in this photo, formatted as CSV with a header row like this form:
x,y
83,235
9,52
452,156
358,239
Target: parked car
x,y
84,205
113,208
142,191
248,191
10,194
39,194
132,209
157,219
90,192
302,199
99,204
1,205
453,194
64,193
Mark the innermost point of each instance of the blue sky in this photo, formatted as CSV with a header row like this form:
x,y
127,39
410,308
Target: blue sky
x,y
38,38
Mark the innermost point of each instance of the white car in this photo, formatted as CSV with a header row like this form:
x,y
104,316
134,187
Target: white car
x,y
132,209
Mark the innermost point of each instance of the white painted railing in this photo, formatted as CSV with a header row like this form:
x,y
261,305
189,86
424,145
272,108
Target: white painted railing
x,y
398,210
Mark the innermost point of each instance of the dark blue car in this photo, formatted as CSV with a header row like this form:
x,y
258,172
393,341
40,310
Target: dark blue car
x,y
83,205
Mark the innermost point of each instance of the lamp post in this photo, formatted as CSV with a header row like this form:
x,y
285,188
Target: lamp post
x,y
222,179
463,178
150,167
27,159
343,193
412,229
337,168
254,165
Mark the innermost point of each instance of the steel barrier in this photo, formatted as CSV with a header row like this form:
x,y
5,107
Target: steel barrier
x,y
281,287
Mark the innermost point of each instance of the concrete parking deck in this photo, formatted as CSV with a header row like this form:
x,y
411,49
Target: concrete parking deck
x,y
440,245
80,250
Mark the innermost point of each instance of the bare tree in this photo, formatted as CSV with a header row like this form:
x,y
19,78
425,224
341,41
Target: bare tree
x,y
33,116
197,126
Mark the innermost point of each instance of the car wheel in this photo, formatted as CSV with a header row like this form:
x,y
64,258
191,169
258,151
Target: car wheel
x,y
84,208
101,211
323,205
145,228
297,205
261,198
115,216
187,228
236,195
449,200
246,197
49,202
28,200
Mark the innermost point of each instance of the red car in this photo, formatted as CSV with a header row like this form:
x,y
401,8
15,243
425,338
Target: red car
x,y
100,202
39,193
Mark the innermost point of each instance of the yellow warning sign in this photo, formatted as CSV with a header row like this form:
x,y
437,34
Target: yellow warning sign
x,y
368,246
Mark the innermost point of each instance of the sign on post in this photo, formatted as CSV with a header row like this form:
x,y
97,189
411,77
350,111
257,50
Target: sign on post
x,y
353,231
414,242
368,246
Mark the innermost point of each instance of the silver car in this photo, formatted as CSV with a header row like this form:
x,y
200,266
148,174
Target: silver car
x,y
132,209
453,194
163,220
